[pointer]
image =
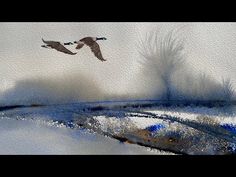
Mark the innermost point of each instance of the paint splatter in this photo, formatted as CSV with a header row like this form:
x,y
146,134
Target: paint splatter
x,y
155,127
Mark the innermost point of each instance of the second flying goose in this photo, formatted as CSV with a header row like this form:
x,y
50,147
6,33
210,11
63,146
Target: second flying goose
x,y
58,46
91,42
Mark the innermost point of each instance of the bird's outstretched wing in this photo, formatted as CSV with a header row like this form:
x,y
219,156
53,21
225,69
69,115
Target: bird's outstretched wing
x,y
50,42
61,48
58,46
96,50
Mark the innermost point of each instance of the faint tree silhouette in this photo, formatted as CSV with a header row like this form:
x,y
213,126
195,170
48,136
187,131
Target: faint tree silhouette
x,y
165,57
166,54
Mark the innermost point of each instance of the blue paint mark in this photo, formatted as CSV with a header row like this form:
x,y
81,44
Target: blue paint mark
x,y
155,127
229,127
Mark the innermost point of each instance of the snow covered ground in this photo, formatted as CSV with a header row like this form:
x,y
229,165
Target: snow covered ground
x,y
95,128
41,137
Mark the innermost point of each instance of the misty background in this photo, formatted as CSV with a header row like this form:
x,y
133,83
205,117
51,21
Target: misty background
x,y
30,74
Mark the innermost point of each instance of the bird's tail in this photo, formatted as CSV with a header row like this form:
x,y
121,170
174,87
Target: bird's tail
x,y
44,46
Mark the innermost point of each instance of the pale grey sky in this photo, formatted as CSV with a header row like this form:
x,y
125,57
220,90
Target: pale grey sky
x,y
210,47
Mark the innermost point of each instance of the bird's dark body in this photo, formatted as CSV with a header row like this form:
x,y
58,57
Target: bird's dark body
x,y
88,41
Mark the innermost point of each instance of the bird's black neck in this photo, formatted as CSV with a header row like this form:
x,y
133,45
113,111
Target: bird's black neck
x,y
100,38
68,43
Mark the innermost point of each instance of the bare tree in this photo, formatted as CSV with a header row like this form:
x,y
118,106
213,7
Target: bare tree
x,y
166,53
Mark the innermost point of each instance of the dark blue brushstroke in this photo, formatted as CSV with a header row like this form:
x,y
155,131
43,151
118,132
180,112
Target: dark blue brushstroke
x,y
229,127
155,127
103,105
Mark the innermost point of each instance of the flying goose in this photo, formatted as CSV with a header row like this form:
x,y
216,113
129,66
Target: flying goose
x,y
91,42
58,46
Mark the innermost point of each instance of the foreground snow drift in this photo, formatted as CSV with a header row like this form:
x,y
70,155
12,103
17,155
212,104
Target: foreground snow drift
x,y
32,137
94,128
